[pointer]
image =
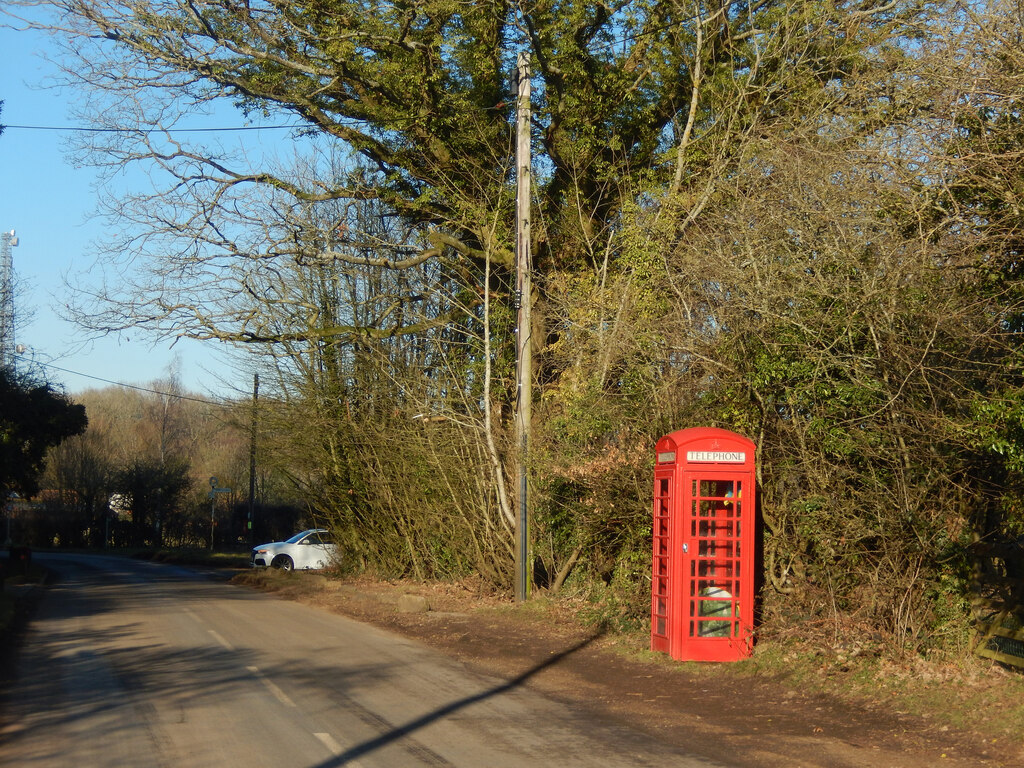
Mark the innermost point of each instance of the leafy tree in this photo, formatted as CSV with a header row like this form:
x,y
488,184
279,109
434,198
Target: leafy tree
x,y
850,299
33,418
79,476
154,492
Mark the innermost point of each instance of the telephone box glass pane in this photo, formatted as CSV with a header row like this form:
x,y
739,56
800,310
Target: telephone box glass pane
x,y
715,603
714,567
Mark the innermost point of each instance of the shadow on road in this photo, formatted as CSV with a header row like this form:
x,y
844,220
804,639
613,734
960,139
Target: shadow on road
x,y
103,673
399,732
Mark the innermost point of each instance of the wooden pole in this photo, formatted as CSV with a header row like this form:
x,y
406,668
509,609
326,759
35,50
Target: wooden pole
x,y
524,355
250,523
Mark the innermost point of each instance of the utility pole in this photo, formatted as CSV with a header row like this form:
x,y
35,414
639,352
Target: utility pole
x,y
524,342
7,241
252,457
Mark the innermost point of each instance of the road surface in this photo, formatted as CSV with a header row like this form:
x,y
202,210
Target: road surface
x,y
131,663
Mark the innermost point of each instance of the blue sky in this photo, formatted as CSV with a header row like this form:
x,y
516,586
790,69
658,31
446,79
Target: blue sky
x,y
49,203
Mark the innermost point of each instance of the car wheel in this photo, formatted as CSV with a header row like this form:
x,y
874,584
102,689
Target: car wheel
x,y
284,562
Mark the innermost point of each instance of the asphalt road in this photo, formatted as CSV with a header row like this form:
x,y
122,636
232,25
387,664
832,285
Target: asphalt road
x,y
132,663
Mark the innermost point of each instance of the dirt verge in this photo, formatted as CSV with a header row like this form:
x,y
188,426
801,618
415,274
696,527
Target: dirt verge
x,y
738,714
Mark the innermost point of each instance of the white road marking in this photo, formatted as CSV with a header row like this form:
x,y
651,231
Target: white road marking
x,y
330,742
335,749
278,693
216,635
221,640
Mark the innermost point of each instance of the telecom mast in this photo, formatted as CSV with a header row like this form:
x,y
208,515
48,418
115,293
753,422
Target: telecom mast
x,y
7,241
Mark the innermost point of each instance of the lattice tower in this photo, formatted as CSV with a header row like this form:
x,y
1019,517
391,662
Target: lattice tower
x,y
7,241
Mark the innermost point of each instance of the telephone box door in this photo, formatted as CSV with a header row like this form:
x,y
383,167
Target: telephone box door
x,y
717,569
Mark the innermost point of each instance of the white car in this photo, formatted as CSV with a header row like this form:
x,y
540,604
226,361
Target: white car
x,y
310,549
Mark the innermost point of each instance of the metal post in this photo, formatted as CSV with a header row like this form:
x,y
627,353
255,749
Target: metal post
x,y
214,490
213,502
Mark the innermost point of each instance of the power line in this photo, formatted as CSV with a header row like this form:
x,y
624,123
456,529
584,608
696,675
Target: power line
x,y
148,130
122,384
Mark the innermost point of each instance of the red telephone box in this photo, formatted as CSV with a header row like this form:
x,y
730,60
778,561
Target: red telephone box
x,y
703,570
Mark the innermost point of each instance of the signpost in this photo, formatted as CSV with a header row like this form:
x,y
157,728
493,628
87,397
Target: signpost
x,y
214,490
